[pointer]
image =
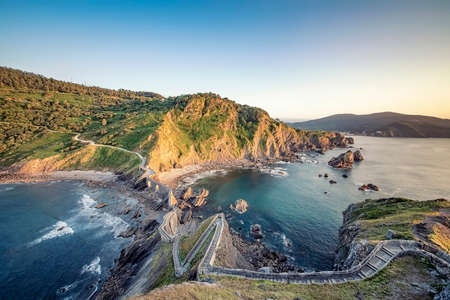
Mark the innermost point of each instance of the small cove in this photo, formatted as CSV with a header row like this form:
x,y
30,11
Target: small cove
x,y
300,220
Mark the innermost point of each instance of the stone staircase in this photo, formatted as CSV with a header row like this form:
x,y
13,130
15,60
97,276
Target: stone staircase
x,y
383,253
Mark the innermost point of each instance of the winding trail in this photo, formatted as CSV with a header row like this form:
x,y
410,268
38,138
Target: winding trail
x,y
383,253
142,166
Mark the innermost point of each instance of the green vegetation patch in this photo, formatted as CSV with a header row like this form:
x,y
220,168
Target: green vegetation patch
x,y
45,144
375,217
167,276
188,242
106,158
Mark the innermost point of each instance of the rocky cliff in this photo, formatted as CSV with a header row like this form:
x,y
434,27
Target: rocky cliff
x,y
368,222
206,127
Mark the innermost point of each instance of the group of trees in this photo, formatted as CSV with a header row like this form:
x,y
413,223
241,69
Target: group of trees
x,y
24,80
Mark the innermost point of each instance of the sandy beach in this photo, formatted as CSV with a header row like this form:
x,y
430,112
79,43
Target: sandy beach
x,y
88,175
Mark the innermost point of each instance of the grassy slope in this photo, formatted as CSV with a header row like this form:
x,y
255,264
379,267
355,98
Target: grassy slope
x,y
25,116
187,242
167,276
397,281
375,217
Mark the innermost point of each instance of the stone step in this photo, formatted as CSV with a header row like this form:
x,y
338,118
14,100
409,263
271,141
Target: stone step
x,y
387,251
380,258
372,266
363,274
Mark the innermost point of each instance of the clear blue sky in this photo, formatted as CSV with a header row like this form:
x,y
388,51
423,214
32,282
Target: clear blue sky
x,y
296,59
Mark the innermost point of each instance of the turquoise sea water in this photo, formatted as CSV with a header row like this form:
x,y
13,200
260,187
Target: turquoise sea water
x,y
54,243
294,209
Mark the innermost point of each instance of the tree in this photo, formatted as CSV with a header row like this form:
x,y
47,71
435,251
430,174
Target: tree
x,y
104,122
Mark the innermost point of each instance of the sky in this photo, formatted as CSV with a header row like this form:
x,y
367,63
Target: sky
x,y
295,59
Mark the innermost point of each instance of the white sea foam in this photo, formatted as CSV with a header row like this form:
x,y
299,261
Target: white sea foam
x,y
6,189
59,229
275,172
286,242
103,218
94,267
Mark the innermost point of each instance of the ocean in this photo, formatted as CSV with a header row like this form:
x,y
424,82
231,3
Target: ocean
x,y
300,213
54,243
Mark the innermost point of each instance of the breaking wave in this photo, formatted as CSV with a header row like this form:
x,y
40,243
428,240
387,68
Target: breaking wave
x,y
105,219
94,267
59,229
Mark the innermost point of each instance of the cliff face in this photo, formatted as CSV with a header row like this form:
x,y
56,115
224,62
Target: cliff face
x,y
205,127
351,250
368,222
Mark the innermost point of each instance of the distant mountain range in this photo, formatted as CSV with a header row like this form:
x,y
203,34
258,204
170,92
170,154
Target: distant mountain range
x,y
386,124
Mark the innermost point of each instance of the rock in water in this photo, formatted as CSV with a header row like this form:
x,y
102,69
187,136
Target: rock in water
x,y
333,181
343,161
172,201
201,198
370,186
101,205
240,206
256,232
187,194
358,156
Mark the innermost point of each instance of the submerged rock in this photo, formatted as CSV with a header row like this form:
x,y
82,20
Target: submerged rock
x,y
101,205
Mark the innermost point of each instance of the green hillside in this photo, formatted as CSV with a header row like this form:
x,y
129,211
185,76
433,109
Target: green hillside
x,y
39,117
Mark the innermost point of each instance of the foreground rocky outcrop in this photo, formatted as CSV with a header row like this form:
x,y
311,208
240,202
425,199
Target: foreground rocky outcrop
x,y
235,252
366,223
129,267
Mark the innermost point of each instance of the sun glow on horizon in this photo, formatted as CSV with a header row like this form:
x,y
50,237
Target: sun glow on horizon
x,y
293,59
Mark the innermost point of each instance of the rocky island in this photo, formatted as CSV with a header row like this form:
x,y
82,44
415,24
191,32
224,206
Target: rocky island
x,y
346,160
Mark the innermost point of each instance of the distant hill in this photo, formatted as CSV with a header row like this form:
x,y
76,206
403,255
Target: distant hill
x,y
387,124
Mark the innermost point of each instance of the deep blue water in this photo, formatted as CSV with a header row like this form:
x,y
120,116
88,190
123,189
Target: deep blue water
x,y
53,239
294,207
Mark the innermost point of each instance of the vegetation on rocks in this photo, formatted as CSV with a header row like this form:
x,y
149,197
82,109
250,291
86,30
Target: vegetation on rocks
x,y
375,217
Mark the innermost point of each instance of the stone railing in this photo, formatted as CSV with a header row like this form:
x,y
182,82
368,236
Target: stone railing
x,y
181,267
382,254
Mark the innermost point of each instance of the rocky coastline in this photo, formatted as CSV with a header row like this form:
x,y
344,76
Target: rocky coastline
x,y
128,276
